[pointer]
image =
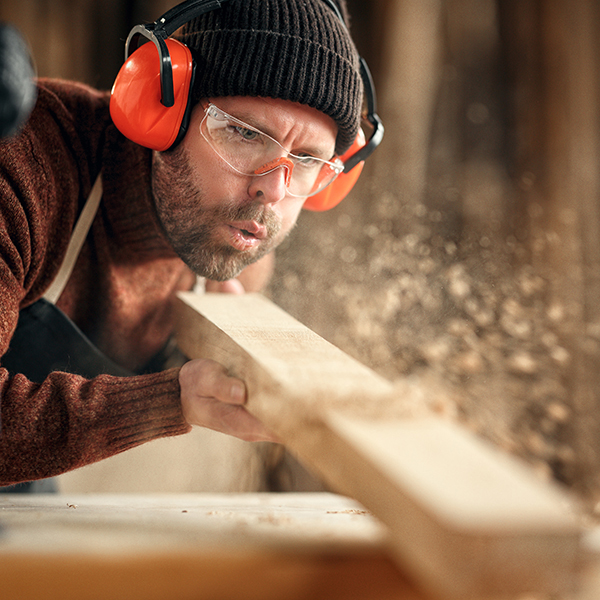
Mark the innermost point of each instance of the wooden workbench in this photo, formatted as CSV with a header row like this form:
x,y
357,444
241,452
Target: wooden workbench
x,y
179,547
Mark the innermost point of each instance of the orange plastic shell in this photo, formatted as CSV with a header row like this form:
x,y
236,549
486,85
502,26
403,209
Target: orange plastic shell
x,y
135,105
334,193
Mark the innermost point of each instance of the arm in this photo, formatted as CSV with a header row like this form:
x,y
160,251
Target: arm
x,y
67,421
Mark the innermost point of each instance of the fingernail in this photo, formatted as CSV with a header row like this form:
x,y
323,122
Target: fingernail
x,y
237,392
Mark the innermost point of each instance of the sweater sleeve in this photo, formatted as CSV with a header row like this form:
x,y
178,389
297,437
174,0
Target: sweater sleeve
x,y
66,421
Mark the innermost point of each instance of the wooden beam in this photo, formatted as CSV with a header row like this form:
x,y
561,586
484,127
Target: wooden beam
x,y
464,520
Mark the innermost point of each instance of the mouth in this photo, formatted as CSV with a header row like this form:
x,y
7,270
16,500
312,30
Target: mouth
x,y
245,235
251,229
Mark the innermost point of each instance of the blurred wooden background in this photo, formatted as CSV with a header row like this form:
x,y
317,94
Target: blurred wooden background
x,y
469,253
79,39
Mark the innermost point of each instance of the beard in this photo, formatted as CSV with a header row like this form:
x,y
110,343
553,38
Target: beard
x,y
190,225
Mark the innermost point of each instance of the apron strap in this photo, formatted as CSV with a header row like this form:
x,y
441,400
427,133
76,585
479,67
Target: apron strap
x,y
77,238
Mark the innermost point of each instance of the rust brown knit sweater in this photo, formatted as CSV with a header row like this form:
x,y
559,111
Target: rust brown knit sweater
x,y
120,293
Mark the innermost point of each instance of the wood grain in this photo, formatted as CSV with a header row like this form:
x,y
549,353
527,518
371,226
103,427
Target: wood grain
x,y
464,520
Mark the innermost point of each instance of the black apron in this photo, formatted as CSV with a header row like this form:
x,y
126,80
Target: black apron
x,y
47,340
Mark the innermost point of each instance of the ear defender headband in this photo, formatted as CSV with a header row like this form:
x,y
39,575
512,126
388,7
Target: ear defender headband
x,y
150,100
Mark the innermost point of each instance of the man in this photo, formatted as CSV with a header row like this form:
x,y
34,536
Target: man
x,y
275,78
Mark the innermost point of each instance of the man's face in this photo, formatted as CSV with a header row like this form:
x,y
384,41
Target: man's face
x,y
217,220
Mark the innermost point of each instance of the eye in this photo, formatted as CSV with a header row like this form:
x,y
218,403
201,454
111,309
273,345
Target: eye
x,y
308,162
245,133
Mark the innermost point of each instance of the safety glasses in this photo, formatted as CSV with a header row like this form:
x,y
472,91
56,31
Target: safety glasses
x,y
250,151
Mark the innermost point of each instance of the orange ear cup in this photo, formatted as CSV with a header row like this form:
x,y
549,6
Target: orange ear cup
x,y
135,105
334,193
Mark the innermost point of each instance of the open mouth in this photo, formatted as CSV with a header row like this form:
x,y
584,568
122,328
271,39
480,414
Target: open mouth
x,y
250,229
245,237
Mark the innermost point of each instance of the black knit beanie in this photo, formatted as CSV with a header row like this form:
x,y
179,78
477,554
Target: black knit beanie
x,y
296,50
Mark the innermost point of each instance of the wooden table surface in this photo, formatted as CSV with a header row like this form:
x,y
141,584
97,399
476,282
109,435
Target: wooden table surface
x,y
201,546
298,546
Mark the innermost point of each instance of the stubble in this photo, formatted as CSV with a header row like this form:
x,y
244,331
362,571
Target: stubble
x,y
190,224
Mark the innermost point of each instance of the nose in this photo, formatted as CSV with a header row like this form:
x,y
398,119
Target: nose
x,y
270,185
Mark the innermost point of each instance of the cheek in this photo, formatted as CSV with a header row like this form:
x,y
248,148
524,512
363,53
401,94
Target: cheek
x,y
289,210
217,186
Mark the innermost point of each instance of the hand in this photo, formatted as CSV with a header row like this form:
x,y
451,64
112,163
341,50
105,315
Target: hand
x,y
212,399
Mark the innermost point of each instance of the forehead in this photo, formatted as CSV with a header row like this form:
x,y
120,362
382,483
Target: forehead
x,y
284,120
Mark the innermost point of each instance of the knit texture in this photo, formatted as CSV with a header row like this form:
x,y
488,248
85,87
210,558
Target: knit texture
x,y
121,293
296,50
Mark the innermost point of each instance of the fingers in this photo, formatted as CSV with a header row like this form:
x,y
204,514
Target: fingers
x,y
235,420
211,398
208,379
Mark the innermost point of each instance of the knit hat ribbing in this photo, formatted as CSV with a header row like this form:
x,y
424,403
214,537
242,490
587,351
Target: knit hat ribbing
x,y
294,50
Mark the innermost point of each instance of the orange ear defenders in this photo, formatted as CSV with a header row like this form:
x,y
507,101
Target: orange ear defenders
x,y
150,99
136,106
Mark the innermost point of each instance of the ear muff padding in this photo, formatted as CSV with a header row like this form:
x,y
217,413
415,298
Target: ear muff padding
x,y
334,193
135,105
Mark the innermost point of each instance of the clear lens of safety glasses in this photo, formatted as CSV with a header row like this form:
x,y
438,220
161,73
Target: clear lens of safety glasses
x,y
249,151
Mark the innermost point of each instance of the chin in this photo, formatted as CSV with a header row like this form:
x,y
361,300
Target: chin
x,y
218,267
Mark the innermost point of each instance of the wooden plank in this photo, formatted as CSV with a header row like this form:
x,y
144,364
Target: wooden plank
x,y
465,521
209,546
